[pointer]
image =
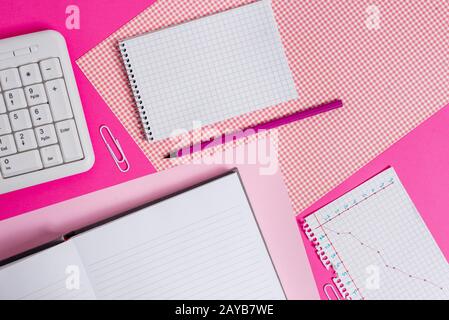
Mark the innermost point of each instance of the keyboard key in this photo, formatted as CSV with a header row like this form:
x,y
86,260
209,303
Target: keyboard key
x,y
35,94
5,127
22,52
20,119
10,79
15,99
69,140
20,163
59,100
2,104
46,135
40,115
51,156
6,55
25,140
30,74
51,69
7,145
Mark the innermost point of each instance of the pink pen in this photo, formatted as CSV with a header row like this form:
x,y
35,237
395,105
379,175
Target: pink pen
x,y
335,104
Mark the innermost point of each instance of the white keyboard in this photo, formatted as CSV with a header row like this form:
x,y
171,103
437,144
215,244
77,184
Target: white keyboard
x,y
43,133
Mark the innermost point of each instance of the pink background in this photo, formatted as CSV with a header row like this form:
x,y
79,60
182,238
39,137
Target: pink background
x,y
420,159
98,19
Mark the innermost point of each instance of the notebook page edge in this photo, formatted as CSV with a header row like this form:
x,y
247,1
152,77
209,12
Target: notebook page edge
x,y
229,175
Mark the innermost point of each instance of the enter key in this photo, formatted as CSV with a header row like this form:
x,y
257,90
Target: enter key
x,y
69,141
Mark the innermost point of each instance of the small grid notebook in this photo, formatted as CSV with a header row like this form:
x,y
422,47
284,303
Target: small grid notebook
x,y
208,70
379,247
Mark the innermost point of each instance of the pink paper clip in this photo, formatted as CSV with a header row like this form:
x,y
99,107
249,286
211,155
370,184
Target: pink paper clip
x,y
332,289
121,158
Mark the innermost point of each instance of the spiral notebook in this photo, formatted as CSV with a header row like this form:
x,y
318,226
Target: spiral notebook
x,y
378,245
208,70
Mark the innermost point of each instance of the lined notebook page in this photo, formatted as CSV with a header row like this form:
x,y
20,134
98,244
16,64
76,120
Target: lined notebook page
x,y
54,273
378,244
209,69
201,244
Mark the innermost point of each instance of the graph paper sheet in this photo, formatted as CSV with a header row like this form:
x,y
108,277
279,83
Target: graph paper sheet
x,y
379,247
208,70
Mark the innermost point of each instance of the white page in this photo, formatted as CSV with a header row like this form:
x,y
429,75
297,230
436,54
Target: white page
x,y
201,244
210,69
379,245
55,273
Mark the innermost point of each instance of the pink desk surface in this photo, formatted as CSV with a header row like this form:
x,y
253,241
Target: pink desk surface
x,y
267,194
421,159
98,19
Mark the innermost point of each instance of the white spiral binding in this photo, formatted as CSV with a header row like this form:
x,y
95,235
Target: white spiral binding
x,y
324,259
136,92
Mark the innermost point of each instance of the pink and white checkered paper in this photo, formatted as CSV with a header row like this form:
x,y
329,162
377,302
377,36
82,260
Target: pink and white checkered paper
x,y
390,79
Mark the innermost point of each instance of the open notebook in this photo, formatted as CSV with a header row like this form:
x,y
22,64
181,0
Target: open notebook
x,y
208,70
203,243
378,245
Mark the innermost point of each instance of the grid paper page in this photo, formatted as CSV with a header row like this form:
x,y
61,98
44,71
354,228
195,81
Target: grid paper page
x,y
201,244
209,69
378,245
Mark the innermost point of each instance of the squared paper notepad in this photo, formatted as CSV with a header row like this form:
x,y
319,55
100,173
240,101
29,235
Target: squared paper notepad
x,y
378,245
208,70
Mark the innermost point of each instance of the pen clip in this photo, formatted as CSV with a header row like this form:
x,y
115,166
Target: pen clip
x,y
122,159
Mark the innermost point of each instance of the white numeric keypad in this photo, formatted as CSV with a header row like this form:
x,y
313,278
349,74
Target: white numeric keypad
x,y
43,132
37,129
